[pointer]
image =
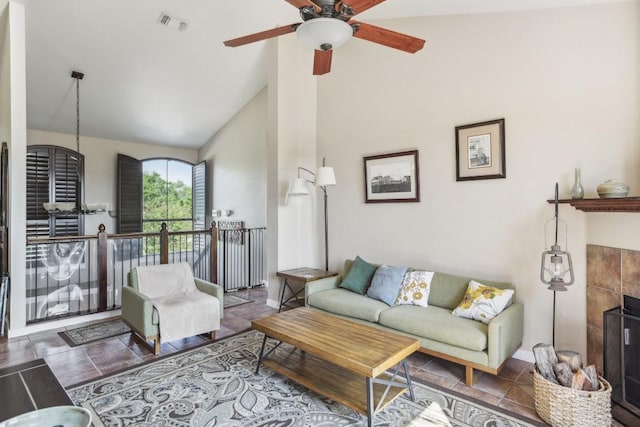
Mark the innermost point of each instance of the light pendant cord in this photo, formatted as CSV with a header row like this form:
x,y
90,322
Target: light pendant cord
x,y
78,76
78,115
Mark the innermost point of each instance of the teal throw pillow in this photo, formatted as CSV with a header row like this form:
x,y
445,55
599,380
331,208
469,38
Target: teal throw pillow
x,y
386,283
359,276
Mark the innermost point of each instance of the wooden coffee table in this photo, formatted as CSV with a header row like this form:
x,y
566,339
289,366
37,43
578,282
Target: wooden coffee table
x,y
340,359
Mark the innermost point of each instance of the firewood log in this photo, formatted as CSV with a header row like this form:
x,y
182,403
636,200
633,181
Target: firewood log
x,y
545,360
573,358
582,379
563,373
592,374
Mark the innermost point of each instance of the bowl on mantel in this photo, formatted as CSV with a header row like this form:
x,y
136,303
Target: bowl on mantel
x,y
613,189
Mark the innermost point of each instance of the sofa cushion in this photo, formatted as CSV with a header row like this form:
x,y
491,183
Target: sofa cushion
x,y
482,302
347,303
437,324
359,276
415,288
448,290
386,283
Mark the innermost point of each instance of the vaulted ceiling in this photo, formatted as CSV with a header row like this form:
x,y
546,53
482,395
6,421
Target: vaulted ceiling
x,y
150,83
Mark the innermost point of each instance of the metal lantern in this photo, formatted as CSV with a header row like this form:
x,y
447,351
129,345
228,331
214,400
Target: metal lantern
x,y
556,263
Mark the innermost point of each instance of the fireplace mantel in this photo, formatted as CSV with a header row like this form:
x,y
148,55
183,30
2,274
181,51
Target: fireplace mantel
x,y
624,204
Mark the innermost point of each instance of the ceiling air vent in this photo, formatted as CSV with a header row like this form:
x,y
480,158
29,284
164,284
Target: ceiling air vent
x,y
170,22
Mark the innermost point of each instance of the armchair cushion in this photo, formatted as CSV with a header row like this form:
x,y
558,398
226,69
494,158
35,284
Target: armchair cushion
x,y
182,309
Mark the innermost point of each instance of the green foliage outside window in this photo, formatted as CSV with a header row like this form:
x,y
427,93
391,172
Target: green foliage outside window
x,y
170,202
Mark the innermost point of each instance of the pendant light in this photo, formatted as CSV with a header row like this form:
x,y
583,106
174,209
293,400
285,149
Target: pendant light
x,y
78,76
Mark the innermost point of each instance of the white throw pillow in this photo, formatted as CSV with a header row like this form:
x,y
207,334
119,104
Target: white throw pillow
x,y
483,302
415,288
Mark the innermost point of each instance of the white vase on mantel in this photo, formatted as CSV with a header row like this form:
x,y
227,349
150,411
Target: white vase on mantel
x,y
577,192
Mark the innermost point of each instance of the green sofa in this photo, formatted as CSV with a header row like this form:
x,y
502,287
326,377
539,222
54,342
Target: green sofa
x,y
468,342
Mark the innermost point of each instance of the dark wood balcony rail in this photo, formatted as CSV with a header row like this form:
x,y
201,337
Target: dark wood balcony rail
x,y
164,237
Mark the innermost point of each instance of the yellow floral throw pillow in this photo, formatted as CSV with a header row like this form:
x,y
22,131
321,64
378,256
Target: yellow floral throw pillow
x,y
415,288
482,302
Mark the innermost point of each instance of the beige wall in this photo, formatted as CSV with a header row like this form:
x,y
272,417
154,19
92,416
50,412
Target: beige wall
x,y
565,80
15,131
5,83
618,229
291,143
237,165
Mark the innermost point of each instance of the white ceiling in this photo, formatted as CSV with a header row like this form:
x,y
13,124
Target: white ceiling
x,y
148,83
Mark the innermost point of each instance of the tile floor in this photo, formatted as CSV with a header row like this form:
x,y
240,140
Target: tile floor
x,y
511,390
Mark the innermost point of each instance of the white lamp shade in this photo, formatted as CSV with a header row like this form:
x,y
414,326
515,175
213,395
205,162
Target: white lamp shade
x,y
324,33
298,187
325,177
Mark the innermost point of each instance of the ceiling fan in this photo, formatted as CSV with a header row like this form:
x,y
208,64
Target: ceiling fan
x,y
327,24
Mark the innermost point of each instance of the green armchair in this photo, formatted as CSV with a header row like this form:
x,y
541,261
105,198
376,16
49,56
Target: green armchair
x,y
165,302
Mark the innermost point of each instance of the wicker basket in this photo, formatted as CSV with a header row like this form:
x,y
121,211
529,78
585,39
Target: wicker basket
x,y
564,407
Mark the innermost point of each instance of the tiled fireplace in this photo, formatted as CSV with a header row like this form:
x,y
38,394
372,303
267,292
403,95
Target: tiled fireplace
x,y
611,273
613,280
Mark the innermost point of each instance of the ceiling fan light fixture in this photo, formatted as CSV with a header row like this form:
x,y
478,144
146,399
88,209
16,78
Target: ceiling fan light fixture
x,y
324,33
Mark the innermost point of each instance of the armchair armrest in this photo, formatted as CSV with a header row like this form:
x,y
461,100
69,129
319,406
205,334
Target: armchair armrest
x,y
137,311
321,285
505,334
213,290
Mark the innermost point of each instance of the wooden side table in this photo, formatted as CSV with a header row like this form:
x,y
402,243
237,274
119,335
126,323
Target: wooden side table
x,y
298,276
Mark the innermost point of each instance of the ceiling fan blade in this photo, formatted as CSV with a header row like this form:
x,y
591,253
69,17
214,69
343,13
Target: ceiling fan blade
x,y
301,3
388,38
358,6
263,35
322,62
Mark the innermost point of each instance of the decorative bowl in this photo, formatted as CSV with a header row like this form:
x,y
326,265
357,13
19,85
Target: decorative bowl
x,y
96,206
49,207
612,188
67,416
65,206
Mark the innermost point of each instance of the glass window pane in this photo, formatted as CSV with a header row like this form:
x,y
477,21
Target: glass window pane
x,y
167,193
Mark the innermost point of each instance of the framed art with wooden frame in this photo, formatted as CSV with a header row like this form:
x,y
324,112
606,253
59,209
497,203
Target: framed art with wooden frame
x,y
480,151
392,177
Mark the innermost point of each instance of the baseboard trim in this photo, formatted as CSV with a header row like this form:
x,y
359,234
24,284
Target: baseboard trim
x,y
525,355
63,323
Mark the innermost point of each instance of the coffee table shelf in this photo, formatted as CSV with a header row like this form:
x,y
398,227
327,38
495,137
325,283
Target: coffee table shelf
x,y
330,380
338,358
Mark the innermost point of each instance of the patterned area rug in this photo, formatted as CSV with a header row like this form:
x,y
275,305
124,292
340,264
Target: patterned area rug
x,y
95,332
112,328
215,385
231,300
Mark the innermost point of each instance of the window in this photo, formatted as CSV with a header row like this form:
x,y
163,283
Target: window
x,y
167,195
53,174
154,191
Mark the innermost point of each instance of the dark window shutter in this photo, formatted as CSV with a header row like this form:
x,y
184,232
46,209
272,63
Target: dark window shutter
x,y
129,195
38,185
52,175
67,173
199,195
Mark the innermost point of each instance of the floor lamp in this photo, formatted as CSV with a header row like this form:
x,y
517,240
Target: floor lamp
x,y
324,177
555,265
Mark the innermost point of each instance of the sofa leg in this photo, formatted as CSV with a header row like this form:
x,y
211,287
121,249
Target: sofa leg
x,y
212,335
156,346
468,370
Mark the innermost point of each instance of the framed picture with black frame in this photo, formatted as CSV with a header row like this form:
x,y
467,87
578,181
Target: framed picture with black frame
x,y
480,151
392,177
